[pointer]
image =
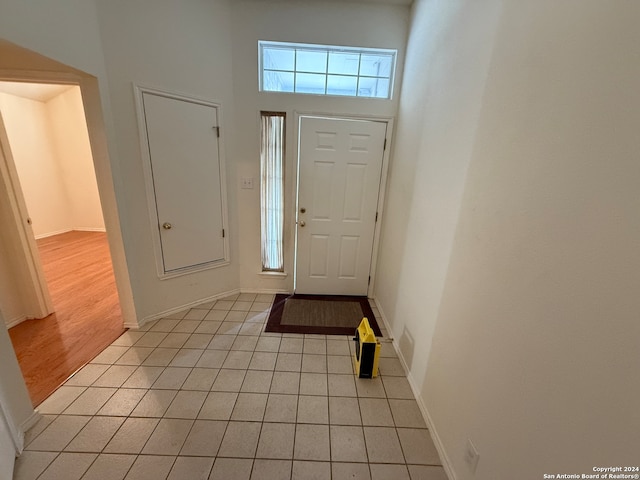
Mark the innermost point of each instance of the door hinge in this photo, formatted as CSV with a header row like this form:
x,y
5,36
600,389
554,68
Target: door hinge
x,y
217,129
376,216
385,144
223,233
369,282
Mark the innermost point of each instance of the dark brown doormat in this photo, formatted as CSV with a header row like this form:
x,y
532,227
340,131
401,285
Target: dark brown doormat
x,y
321,314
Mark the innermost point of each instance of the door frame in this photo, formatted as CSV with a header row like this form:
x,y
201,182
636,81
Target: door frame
x,y
298,115
92,106
139,90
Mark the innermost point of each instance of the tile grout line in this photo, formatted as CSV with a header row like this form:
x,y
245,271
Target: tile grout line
x,y
246,330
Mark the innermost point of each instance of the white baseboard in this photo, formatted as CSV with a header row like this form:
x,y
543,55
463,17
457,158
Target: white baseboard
x,y
89,229
51,234
25,426
385,325
74,229
265,291
157,316
446,462
16,321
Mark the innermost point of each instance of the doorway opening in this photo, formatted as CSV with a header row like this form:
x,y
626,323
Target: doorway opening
x,y
50,171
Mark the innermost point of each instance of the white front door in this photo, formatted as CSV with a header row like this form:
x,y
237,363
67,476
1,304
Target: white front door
x,y
339,165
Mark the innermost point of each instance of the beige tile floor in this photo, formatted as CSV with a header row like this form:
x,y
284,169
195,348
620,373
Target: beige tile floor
x,y
206,394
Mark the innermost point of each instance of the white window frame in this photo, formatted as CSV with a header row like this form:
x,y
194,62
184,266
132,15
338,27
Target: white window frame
x,y
262,44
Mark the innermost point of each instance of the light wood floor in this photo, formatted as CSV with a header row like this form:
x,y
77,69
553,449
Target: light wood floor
x,y
87,318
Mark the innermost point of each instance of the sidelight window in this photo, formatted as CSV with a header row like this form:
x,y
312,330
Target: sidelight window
x,y
272,190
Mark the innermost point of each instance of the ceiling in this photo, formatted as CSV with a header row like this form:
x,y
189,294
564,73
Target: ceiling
x,y
42,92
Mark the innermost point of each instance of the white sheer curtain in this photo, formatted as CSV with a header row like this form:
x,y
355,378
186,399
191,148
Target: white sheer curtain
x,y
272,190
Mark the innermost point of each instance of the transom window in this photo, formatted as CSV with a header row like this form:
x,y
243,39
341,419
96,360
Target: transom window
x,y
326,70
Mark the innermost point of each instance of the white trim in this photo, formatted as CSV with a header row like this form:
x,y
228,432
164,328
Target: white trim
x,y
157,316
17,433
381,191
170,311
74,229
385,324
276,275
446,462
386,156
328,49
139,90
89,229
97,130
25,426
16,321
51,234
266,291
193,269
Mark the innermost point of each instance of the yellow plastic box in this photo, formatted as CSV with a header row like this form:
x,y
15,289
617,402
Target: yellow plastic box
x,y
367,351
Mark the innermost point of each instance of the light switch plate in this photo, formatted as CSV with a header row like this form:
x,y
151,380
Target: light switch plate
x,y
247,182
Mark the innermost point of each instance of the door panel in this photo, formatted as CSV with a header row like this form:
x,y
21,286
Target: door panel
x,y
319,256
354,193
340,163
349,247
322,177
185,165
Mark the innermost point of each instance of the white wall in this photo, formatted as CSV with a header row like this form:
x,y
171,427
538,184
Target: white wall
x,y
37,163
68,33
181,47
7,450
536,313
448,53
68,127
332,23
14,398
534,345
186,48
51,151
34,47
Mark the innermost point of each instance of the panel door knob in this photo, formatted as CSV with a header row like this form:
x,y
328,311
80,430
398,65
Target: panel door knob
x,y
166,226
302,223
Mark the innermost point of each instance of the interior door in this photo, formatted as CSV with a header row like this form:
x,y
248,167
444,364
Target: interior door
x,y
340,163
185,168
17,235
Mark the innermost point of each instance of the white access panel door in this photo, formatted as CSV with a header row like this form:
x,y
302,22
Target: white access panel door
x,y
340,163
185,170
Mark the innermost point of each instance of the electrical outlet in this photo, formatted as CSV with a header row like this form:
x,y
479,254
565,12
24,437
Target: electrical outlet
x,y
247,182
471,455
